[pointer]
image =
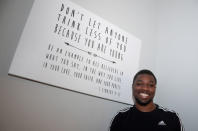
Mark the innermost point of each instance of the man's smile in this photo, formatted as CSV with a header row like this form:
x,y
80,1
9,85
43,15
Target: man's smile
x,y
144,95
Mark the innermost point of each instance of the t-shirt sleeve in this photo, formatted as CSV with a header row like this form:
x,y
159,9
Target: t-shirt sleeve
x,y
178,124
116,123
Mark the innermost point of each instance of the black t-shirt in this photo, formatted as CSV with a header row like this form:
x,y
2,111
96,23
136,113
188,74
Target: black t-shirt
x,y
159,119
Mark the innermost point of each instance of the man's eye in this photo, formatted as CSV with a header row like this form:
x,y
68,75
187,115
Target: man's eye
x,y
151,85
139,84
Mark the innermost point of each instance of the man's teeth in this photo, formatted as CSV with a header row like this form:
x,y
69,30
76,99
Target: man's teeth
x,y
144,94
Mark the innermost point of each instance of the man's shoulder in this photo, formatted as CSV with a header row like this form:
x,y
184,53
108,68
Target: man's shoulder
x,y
125,111
122,114
167,112
120,118
171,117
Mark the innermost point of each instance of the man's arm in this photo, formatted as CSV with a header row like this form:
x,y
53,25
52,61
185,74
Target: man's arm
x,y
178,126
116,123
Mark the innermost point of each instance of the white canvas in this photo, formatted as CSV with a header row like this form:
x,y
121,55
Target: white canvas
x,y
66,46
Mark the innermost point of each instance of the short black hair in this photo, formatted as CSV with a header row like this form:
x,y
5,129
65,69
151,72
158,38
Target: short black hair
x,y
144,71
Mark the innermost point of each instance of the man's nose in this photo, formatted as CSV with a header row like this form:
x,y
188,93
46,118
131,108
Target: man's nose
x,y
145,86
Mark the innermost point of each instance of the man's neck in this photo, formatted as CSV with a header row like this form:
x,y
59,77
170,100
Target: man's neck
x,y
145,108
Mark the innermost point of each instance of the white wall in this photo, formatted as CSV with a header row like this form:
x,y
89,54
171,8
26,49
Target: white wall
x,y
168,30
29,106
177,58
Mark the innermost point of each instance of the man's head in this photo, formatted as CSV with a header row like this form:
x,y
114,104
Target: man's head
x,y
144,85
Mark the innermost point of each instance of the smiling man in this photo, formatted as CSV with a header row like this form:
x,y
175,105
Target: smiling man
x,y
145,115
